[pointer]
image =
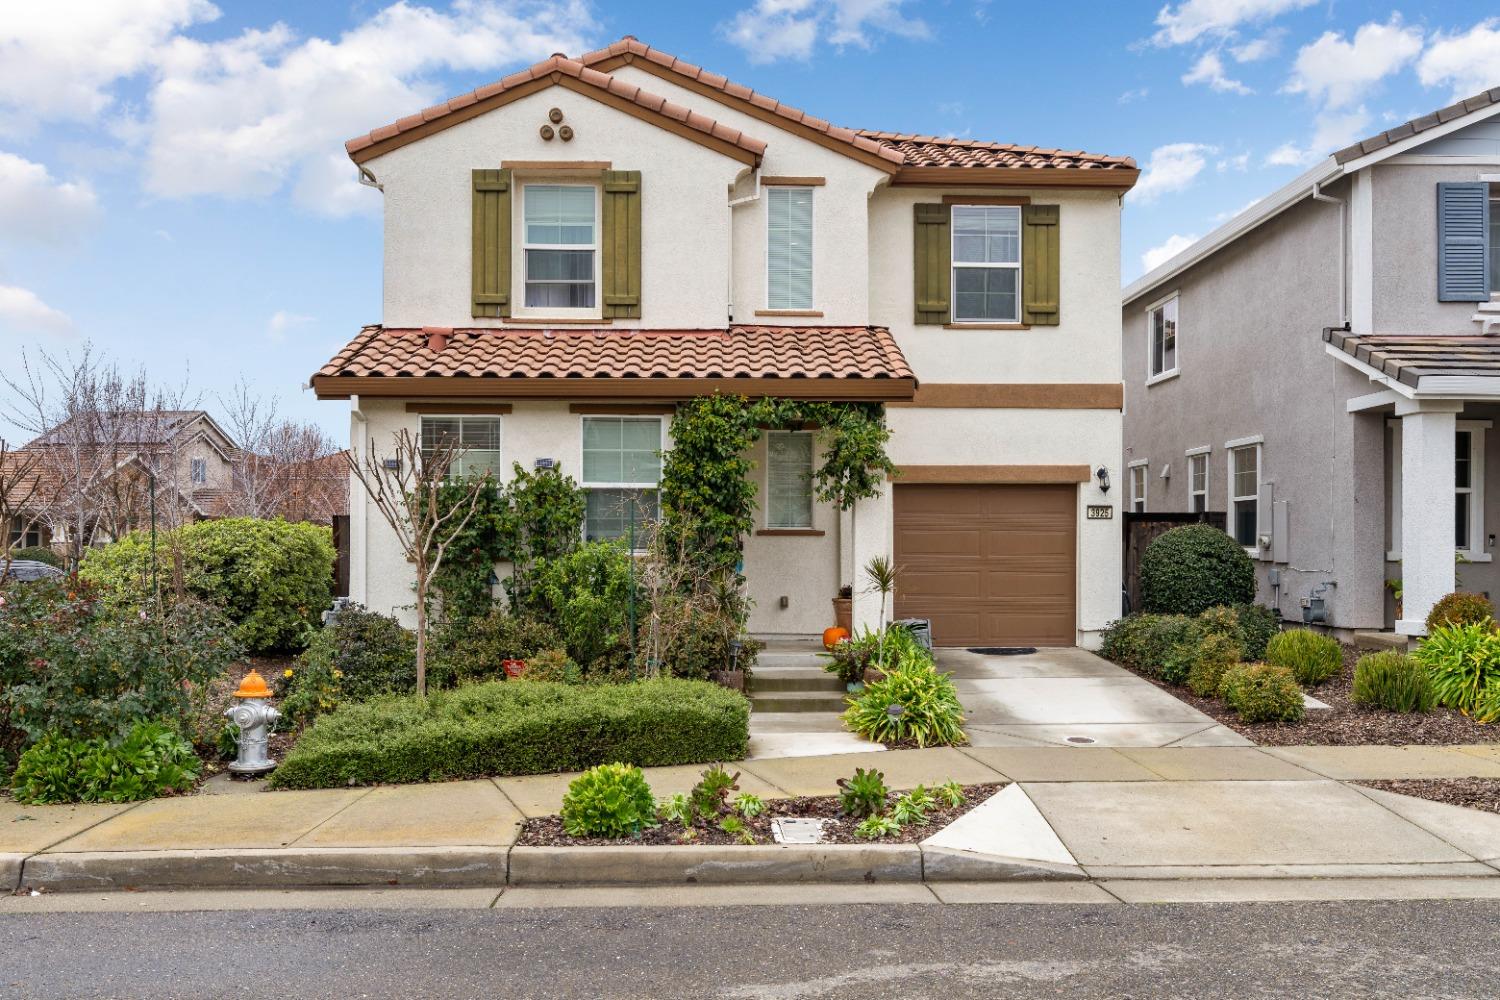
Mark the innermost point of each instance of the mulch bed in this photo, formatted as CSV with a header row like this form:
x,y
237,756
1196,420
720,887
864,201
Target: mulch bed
x,y
1345,723
1475,793
547,831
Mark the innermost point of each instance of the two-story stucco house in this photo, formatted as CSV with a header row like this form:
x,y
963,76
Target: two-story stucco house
x,y
574,249
1321,369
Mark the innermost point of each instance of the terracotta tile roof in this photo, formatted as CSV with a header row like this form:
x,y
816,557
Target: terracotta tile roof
x,y
583,74
1411,358
737,352
1390,137
631,46
936,151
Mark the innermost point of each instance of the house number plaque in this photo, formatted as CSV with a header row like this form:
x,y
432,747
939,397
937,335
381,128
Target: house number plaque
x,y
1101,512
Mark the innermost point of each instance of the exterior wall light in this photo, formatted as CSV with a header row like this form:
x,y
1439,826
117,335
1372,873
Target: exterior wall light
x,y
1102,474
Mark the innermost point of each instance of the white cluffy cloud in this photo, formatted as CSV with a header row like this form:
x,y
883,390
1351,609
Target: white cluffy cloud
x,y
281,321
1340,72
36,207
1158,255
791,29
1467,62
1191,20
1209,69
1171,168
22,313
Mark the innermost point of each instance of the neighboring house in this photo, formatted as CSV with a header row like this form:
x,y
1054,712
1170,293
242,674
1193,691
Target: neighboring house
x,y
574,249
1317,368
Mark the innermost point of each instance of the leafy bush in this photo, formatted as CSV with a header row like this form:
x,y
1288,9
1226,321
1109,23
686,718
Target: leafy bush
x,y
1462,661
500,728
875,827
73,667
272,578
552,666
1392,680
1487,705
863,794
1192,568
1312,658
1143,642
1460,608
150,760
541,518
463,652
1262,692
1213,656
35,553
357,655
913,807
585,595
710,796
610,800
914,703
850,658
1257,624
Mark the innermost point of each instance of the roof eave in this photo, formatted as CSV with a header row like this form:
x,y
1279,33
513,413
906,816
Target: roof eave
x,y
1118,179
865,390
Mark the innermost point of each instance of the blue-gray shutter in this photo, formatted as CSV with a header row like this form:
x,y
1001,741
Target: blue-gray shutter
x,y
1463,241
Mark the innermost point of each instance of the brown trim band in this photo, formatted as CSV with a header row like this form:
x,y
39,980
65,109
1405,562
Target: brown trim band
x,y
779,181
663,390
1023,177
1019,396
986,326
789,312
555,321
986,199
962,474
790,533
555,165
460,409
624,409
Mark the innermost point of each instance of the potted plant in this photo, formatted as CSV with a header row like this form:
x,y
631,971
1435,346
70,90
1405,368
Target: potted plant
x,y
843,608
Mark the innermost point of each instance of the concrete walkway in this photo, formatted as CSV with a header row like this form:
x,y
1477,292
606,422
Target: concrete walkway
x,y
1128,813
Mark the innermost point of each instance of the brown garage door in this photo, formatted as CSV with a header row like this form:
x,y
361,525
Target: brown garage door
x,y
990,565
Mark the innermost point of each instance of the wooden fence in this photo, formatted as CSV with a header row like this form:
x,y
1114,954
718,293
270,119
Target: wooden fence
x,y
1140,530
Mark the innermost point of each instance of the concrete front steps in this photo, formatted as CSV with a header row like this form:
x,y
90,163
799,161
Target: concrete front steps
x,y
796,704
794,681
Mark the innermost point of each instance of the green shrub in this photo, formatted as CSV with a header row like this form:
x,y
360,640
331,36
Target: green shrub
x,y
1143,642
552,666
1462,661
1459,608
73,667
585,595
863,794
609,800
875,827
1219,620
1487,705
499,729
710,796
473,650
1214,655
1392,680
1257,624
1192,568
150,760
357,655
1262,692
272,578
1311,657
914,703
36,553
849,659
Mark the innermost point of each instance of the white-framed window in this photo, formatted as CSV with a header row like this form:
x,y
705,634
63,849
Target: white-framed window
x,y
1468,489
1161,337
1244,494
560,245
789,254
1140,472
198,469
622,474
986,263
789,469
1197,463
28,537
476,437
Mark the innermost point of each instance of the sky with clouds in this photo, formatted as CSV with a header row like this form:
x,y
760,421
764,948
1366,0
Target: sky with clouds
x,y
173,185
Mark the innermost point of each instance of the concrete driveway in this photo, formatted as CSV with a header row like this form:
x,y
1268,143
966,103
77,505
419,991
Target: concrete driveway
x,y
1070,697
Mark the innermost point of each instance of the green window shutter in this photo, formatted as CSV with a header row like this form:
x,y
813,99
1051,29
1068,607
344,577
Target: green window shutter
x,y
934,270
621,244
1039,265
491,228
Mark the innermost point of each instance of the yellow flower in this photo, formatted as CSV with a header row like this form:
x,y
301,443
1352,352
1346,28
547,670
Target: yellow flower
x,y
288,672
338,673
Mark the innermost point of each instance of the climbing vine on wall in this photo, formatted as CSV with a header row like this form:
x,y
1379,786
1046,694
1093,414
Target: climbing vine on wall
x,y
706,487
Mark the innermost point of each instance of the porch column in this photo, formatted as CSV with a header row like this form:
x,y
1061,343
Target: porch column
x,y
870,536
1427,508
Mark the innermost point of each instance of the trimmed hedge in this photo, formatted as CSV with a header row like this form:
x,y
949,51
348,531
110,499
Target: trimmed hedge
x,y
1190,569
1144,643
1262,692
499,729
1459,608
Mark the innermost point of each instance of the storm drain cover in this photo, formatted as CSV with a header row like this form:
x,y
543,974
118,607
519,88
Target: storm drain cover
x,y
798,831
1003,650
1079,739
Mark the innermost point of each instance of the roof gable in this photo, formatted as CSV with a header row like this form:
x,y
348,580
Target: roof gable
x,y
1486,101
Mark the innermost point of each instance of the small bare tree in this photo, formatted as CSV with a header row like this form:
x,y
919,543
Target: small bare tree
x,y
278,468
425,509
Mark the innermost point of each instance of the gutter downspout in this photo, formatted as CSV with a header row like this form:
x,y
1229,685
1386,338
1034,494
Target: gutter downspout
x,y
1344,268
359,532
735,203
1318,195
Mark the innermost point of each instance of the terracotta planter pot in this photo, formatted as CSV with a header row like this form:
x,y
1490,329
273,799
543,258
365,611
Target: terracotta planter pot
x,y
513,668
843,613
732,679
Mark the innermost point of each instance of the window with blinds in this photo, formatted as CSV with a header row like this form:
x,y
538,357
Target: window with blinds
x,y
789,248
789,498
476,438
621,472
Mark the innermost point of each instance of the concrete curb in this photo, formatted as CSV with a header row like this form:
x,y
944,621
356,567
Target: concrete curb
x,y
274,868
947,864
715,865
10,871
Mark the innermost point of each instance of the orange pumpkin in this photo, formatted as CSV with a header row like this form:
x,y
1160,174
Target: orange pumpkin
x,y
833,636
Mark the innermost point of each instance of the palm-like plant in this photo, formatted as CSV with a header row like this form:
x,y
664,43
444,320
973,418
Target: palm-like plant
x,y
882,575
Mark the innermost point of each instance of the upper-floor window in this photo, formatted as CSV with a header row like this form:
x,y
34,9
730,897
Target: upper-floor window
x,y
789,235
1140,472
986,264
199,471
1161,327
789,493
1244,494
1494,239
1198,482
476,441
561,247
622,473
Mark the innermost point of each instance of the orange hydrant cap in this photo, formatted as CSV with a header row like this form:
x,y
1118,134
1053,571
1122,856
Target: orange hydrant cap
x,y
253,686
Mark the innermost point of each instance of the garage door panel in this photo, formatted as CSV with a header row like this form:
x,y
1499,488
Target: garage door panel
x,y
989,565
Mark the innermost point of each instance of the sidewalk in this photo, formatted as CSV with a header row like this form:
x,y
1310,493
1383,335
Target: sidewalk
x,y
1087,813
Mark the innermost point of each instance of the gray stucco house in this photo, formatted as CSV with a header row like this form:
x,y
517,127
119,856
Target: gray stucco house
x,y
1325,369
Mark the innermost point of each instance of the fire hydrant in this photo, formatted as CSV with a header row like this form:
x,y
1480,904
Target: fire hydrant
x,y
254,716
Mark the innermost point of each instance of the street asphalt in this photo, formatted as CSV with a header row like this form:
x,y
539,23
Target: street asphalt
x,y
1434,949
